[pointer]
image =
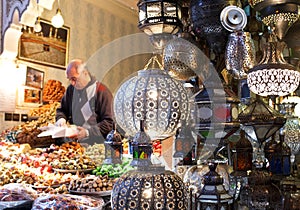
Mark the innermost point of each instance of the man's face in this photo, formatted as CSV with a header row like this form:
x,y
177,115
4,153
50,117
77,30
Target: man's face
x,y
78,80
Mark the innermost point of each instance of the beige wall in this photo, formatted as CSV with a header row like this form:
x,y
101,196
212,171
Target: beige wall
x,y
93,24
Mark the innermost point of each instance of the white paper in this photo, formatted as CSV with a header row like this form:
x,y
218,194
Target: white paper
x,y
58,132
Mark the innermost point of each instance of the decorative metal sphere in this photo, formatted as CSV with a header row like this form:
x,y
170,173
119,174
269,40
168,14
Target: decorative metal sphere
x,y
182,59
155,189
153,96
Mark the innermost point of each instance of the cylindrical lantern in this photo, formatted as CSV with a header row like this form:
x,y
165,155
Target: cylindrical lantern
x,y
151,189
153,96
239,54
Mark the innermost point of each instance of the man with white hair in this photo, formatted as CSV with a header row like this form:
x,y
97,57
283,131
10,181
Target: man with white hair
x,y
86,103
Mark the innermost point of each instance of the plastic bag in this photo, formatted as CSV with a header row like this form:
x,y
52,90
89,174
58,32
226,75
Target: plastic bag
x,y
16,196
17,192
67,202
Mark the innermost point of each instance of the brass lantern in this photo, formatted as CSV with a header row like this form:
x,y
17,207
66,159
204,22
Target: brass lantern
x,y
243,153
273,75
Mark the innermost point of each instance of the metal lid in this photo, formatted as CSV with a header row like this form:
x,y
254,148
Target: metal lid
x,y
233,18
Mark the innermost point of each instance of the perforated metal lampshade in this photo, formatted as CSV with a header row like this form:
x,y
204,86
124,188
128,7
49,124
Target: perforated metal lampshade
x,y
240,54
153,96
261,4
282,20
153,188
280,14
273,76
182,59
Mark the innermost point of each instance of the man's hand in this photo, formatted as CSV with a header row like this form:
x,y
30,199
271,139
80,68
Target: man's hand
x,y
82,133
61,122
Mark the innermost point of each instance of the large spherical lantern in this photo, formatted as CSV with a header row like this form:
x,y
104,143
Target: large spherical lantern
x,y
151,189
155,97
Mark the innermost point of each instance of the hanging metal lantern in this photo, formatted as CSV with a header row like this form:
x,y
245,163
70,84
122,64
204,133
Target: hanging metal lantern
x,y
278,155
159,16
240,54
260,4
273,76
242,154
193,177
153,96
216,114
281,21
280,14
182,59
184,141
260,121
153,188
260,193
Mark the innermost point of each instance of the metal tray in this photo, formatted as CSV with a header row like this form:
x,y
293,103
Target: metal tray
x,y
100,193
73,171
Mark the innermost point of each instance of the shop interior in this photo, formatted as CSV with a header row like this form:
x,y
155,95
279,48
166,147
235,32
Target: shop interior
x,y
206,104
